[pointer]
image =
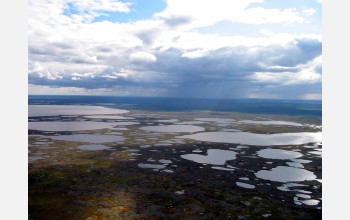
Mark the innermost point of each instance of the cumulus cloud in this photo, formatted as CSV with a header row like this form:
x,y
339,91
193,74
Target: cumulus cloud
x,y
191,13
260,15
309,11
194,54
287,78
100,5
142,57
166,55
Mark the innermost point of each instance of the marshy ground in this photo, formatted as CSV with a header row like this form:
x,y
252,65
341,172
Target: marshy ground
x,y
144,176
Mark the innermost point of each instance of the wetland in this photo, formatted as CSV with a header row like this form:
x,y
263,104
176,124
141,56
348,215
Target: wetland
x,y
95,162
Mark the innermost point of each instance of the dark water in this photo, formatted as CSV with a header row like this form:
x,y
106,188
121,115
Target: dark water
x,y
258,106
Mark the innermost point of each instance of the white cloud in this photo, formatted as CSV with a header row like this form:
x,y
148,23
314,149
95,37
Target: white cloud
x,y
67,90
261,15
113,91
118,75
83,75
307,74
288,78
308,11
194,54
143,57
101,5
189,14
203,13
266,32
65,47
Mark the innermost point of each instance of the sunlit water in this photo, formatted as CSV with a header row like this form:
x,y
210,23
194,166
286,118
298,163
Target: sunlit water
x,y
114,117
190,123
222,168
248,138
214,157
89,138
173,128
297,165
72,125
151,166
310,202
270,122
168,120
34,158
245,185
54,110
278,154
286,174
216,120
93,147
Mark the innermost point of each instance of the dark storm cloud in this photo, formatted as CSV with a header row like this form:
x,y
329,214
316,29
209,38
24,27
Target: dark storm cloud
x,y
148,36
225,71
301,52
289,91
175,21
235,63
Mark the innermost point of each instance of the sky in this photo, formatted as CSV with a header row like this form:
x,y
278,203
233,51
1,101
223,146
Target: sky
x,y
176,48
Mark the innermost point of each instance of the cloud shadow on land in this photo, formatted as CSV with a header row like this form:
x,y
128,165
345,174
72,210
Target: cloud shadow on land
x,y
90,184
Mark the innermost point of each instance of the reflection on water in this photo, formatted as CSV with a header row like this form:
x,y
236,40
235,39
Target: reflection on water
x,y
165,161
216,120
168,171
232,130
116,117
297,165
256,139
89,138
214,157
245,185
270,122
132,150
145,146
135,154
151,166
223,168
173,128
278,154
190,123
310,202
285,174
304,196
162,144
54,110
168,121
287,186
70,126
34,158
301,161
41,143
319,153
93,147
125,123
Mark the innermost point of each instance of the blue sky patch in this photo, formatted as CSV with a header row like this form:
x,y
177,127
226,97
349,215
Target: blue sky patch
x,y
141,9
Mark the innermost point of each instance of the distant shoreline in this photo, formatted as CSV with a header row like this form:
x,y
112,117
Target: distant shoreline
x,y
255,106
